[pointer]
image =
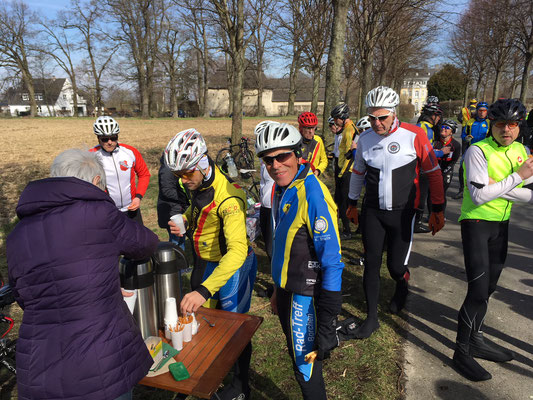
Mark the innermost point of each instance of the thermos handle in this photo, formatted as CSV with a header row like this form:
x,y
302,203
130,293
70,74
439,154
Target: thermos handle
x,y
180,254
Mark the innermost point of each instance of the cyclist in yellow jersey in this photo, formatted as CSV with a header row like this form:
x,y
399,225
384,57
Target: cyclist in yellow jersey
x,y
345,128
216,219
313,150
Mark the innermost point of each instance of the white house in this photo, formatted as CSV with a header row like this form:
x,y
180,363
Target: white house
x,y
54,97
414,88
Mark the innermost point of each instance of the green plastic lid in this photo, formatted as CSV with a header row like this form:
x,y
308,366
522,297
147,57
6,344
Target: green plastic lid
x,y
178,371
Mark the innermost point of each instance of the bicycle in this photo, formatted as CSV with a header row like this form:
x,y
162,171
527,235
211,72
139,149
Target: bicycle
x,y
252,191
7,346
241,154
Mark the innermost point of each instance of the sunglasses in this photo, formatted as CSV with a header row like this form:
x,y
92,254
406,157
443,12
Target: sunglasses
x,y
446,127
381,118
281,158
106,139
188,174
510,124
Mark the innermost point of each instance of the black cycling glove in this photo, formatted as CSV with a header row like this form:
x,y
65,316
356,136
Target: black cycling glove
x,y
329,306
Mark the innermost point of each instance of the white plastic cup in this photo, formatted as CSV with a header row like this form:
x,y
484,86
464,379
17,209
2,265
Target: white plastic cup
x,y
171,310
130,301
195,325
178,220
187,332
177,339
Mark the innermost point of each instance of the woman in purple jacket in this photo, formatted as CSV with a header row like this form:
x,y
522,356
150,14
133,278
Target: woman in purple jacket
x,y
77,339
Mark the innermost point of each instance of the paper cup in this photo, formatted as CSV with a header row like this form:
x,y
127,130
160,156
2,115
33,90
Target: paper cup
x,y
187,332
171,310
177,339
195,325
178,220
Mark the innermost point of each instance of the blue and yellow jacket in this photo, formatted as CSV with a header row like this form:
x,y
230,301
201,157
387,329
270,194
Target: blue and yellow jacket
x,y
430,132
306,253
478,128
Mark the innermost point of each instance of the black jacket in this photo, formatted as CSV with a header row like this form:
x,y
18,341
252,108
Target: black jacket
x,y
172,198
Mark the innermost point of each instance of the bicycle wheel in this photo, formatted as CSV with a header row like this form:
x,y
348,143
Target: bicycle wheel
x,y
220,159
245,160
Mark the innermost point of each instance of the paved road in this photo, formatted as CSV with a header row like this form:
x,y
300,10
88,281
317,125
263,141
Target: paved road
x,y
438,289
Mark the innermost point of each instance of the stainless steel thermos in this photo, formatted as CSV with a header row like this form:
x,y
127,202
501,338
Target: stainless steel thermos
x,y
169,260
139,275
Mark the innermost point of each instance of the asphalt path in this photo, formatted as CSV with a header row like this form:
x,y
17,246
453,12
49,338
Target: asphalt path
x,y
437,290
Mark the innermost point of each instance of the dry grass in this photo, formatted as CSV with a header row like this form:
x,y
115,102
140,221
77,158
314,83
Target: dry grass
x,y
359,369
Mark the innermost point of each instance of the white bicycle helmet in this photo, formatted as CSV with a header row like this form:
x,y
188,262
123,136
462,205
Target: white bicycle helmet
x,y
185,150
382,97
363,124
106,126
277,136
260,127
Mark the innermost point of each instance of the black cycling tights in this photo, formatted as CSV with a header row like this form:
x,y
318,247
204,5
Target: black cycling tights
x,y
485,250
397,227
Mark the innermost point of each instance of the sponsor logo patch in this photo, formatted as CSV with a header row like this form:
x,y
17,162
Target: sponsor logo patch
x,y
123,165
321,225
519,159
313,265
393,147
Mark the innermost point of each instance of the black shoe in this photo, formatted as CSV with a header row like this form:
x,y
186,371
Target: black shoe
x,y
367,328
397,302
230,392
467,366
484,348
458,195
421,228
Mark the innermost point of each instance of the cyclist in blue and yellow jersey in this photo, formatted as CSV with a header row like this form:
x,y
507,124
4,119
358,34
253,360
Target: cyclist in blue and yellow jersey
x,y
313,150
496,169
306,257
216,220
429,121
476,129
345,131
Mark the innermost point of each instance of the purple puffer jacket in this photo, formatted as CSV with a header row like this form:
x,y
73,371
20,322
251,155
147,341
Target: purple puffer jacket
x,y
77,339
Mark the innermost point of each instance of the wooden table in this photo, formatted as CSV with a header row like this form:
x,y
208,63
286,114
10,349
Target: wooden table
x,y
211,353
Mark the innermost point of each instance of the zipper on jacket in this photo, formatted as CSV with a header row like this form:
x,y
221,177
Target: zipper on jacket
x,y
118,180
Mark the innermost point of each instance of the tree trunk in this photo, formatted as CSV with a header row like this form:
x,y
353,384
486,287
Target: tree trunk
x,y
173,95
316,84
260,88
465,97
293,77
75,95
335,59
525,75
205,60
230,71
496,87
27,79
200,81
366,82
238,77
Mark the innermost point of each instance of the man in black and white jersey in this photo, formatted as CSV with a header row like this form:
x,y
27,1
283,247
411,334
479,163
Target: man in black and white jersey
x,y
390,157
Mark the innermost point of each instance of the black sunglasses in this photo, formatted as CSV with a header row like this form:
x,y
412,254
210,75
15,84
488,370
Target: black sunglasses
x,y
106,139
281,157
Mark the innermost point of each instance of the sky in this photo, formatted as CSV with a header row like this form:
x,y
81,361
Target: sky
x,y
452,10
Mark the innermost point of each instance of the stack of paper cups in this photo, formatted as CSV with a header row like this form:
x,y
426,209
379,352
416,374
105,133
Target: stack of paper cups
x,y
171,315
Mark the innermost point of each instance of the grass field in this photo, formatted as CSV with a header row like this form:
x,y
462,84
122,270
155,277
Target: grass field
x,y
367,369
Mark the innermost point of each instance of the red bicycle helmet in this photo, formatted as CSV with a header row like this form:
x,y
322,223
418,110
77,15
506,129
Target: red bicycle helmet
x,y
307,120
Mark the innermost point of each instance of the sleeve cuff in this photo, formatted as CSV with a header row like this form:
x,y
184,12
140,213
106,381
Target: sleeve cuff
x,y
139,196
204,292
352,202
437,207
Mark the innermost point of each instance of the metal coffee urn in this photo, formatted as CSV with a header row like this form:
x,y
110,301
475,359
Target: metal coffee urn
x,y
139,274
169,260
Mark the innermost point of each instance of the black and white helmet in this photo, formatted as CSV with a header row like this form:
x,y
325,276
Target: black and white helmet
x,y
331,121
277,136
451,123
432,100
382,97
106,126
185,150
507,110
363,124
341,111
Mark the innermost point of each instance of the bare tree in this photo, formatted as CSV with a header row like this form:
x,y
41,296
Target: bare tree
x,y
261,24
335,58
522,29
15,31
316,39
60,47
171,44
85,18
195,17
140,24
231,19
